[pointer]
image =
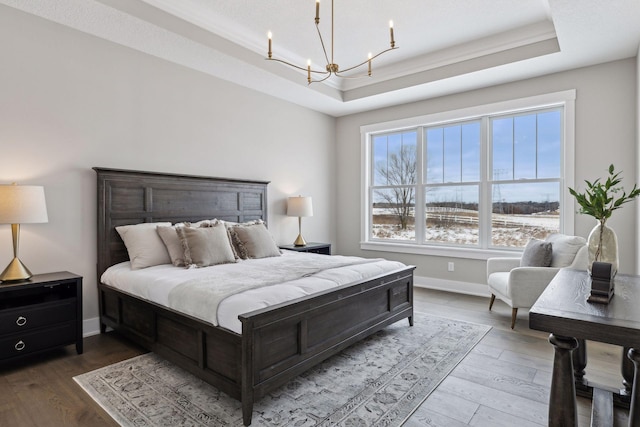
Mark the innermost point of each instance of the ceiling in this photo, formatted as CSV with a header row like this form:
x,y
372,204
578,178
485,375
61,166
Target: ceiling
x,y
445,47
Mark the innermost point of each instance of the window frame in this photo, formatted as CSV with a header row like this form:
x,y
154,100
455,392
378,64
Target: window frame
x,y
564,99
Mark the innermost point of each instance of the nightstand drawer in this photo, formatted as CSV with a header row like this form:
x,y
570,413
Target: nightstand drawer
x,y
37,315
322,251
30,342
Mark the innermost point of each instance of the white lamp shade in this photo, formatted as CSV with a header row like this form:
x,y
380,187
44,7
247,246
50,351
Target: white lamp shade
x,y
22,204
299,206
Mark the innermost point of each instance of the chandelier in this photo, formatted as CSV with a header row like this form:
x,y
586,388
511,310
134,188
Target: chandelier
x,y
331,67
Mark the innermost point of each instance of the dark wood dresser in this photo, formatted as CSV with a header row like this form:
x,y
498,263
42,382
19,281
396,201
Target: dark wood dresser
x,y
40,314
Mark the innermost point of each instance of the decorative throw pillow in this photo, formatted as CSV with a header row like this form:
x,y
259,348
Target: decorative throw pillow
x,y
236,244
565,248
205,246
144,246
253,241
537,253
172,242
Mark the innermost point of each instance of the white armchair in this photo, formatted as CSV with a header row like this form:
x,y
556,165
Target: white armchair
x,y
521,286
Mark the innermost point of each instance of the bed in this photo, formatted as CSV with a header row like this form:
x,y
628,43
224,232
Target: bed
x,y
276,343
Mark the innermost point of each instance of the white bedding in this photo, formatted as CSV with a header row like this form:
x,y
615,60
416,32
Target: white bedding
x,y
157,283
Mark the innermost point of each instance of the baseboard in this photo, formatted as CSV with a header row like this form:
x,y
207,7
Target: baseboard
x,y
477,289
90,327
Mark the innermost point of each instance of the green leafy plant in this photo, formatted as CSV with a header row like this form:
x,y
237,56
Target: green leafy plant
x,y
600,199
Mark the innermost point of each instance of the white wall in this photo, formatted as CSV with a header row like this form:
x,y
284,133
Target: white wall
x,y
637,157
70,101
606,116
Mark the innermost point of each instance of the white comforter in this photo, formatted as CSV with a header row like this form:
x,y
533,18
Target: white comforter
x,y
167,285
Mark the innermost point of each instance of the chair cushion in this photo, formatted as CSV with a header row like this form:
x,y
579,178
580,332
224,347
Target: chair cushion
x,y
564,248
537,253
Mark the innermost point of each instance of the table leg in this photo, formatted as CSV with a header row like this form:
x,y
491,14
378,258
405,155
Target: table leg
x,y
627,371
579,356
634,410
562,398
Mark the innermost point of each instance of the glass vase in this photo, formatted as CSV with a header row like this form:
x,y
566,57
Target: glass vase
x,y
603,246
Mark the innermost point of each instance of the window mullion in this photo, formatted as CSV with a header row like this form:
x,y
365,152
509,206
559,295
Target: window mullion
x,y
420,215
485,207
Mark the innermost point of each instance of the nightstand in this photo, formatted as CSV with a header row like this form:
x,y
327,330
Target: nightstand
x,y
40,314
313,247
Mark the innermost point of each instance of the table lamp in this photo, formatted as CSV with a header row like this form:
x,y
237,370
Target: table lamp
x,y
20,204
299,206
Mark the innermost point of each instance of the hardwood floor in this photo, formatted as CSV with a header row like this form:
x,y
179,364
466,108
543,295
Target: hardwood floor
x,y
40,391
503,381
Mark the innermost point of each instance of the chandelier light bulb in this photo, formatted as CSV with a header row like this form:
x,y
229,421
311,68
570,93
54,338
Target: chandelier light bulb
x,y
393,42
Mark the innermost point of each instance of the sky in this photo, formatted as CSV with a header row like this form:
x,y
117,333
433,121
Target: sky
x,y
523,147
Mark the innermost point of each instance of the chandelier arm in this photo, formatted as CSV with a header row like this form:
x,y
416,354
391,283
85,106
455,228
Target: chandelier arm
x,y
364,62
295,66
328,73
359,76
326,57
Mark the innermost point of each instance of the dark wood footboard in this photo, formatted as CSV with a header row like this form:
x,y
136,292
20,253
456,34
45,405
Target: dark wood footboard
x,y
281,342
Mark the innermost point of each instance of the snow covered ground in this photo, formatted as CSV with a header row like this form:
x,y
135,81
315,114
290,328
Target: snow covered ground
x,y
461,227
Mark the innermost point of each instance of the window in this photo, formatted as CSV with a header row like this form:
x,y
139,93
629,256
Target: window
x,y
394,176
525,176
452,183
485,181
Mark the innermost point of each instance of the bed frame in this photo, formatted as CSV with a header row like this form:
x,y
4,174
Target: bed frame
x,y
277,343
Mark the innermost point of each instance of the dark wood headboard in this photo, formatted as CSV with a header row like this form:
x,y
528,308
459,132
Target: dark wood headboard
x,y
132,197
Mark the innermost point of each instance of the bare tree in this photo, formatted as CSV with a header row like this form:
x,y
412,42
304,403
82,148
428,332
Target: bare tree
x,y
399,171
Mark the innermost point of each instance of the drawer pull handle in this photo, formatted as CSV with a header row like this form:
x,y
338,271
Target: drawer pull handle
x,y
21,321
20,345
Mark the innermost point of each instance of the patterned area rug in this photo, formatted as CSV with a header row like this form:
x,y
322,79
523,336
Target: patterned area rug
x,y
378,381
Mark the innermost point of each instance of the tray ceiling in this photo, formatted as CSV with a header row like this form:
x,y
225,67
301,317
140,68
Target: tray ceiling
x,y
445,47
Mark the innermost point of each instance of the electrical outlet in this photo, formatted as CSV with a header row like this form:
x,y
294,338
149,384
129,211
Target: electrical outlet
x,y
451,266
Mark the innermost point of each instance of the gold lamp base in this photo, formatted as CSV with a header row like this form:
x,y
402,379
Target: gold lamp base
x,y
300,241
15,271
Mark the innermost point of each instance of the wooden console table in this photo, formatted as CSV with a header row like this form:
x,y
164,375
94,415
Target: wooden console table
x,y
563,310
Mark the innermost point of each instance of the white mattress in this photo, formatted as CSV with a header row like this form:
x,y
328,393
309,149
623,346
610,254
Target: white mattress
x,y
156,283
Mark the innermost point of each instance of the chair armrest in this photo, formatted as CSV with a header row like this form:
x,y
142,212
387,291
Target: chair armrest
x,y
526,284
501,264
533,274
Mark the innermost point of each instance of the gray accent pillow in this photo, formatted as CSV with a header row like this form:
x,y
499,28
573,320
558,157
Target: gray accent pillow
x,y
205,246
253,241
537,253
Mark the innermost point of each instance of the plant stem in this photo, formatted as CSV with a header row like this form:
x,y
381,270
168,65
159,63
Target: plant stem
x,y
599,250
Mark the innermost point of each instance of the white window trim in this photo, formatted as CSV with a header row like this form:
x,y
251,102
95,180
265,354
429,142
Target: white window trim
x,y
562,98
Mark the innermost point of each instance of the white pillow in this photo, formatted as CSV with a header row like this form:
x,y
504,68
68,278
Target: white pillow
x,y
143,244
564,248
